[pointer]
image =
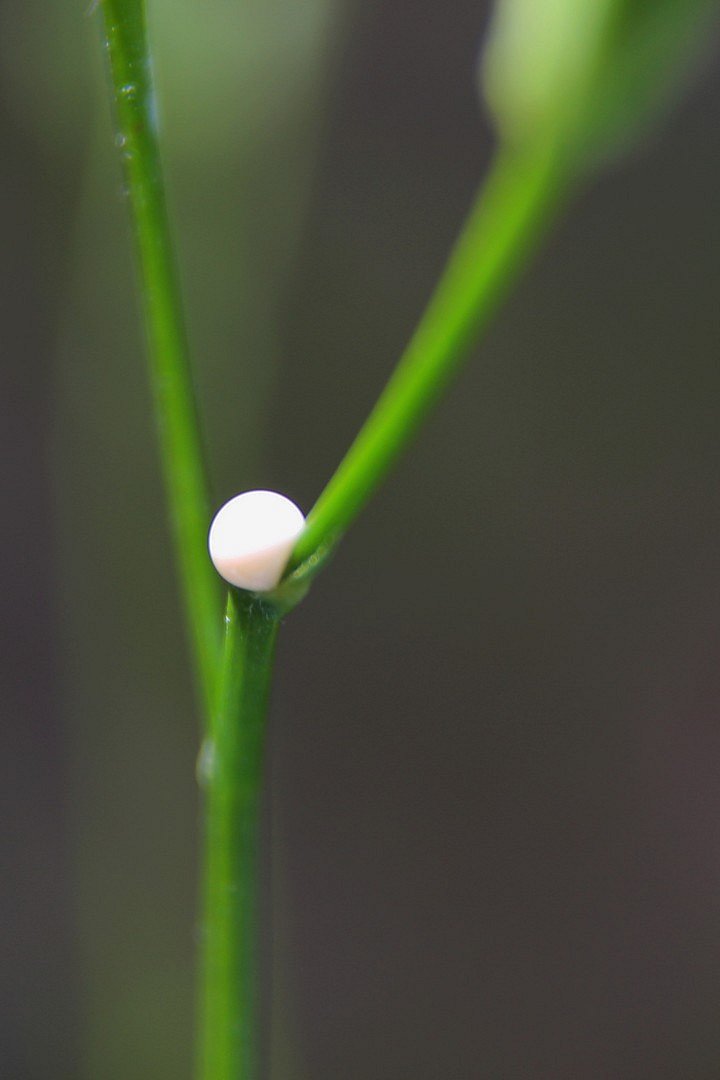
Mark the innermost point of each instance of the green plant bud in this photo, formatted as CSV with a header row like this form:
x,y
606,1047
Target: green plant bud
x,y
587,74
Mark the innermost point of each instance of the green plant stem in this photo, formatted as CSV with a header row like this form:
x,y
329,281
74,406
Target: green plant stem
x,y
234,681
231,772
177,422
513,209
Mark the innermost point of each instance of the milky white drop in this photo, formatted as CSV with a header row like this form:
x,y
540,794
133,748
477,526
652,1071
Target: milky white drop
x,y
251,539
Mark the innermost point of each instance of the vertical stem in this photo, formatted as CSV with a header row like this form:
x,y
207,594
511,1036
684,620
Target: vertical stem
x,y
177,422
234,687
231,770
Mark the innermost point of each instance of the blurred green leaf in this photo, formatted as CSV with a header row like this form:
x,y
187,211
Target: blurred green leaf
x,y
587,74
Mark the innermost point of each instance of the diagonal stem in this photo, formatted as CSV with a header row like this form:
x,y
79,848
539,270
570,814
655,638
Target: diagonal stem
x,y
513,209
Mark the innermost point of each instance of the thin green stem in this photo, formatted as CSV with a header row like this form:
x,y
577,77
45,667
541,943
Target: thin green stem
x,y
512,211
234,681
177,422
231,773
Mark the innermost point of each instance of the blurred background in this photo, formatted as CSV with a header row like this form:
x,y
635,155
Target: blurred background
x,y
494,766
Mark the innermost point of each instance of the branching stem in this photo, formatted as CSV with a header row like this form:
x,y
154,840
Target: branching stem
x,y
513,209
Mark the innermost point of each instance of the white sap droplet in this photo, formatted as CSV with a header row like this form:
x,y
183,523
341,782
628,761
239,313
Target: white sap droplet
x,y
251,539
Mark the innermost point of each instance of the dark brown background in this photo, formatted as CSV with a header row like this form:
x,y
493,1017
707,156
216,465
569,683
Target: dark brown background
x,y
495,743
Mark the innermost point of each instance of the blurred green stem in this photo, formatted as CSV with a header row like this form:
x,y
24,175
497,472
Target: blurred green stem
x,y
231,767
514,207
177,421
